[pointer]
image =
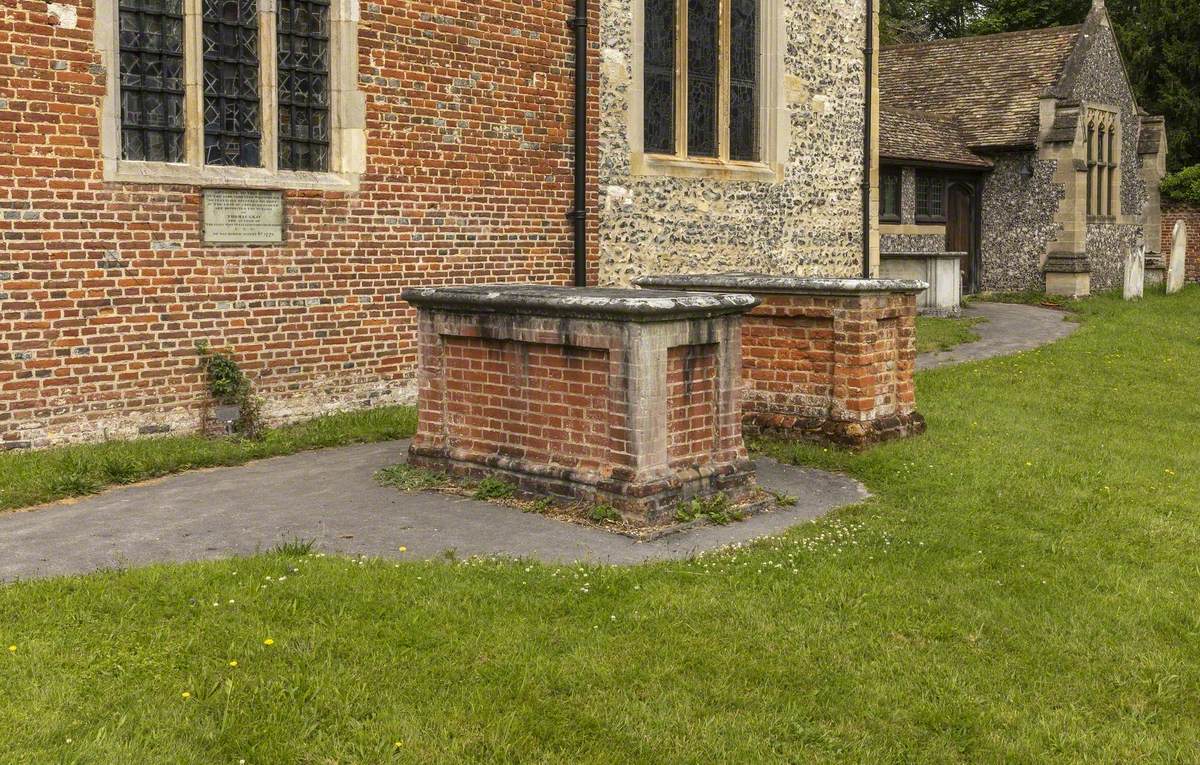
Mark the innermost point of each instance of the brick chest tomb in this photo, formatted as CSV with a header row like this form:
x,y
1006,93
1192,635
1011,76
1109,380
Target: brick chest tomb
x,y
630,398
826,360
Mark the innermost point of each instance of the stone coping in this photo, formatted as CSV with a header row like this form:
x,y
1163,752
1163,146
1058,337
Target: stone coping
x,y
580,302
959,255
763,283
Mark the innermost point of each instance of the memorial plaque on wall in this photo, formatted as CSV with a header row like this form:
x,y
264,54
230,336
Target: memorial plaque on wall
x,y
243,216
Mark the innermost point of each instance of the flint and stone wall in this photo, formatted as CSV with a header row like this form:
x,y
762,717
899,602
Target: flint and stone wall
x,y
907,236
1101,80
1018,222
807,224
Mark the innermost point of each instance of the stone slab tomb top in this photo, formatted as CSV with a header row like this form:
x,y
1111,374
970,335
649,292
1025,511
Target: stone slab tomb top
x,y
580,302
900,254
765,283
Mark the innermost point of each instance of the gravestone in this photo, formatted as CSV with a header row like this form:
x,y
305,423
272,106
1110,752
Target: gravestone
x,y
1175,272
1135,272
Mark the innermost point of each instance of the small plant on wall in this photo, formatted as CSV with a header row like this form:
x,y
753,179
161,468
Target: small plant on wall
x,y
231,389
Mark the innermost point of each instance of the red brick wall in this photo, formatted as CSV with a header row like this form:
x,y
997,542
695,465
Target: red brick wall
x,y
541,403
105,288
691,405
788,361
1191,218
831,367
605,410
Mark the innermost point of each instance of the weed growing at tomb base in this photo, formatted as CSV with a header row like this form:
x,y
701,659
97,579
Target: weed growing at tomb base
x,y
408,478
491,488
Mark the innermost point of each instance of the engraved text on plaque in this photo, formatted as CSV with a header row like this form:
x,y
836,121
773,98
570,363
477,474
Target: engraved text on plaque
x,y
243,216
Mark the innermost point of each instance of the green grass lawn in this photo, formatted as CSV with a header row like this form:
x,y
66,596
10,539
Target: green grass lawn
x,y
943,334
31,478
1022,588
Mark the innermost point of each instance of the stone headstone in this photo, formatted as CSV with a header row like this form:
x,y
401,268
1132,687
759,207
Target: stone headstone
x,y
1135,272
1175,270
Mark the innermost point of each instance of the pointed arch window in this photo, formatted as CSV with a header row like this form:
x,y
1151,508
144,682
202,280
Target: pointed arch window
x,y
1091,167
1111,173
1103,164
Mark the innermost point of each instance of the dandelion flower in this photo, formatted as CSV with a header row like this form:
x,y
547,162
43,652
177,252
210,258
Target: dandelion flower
x,y
233,663
12,649
268,641
186,694
403,548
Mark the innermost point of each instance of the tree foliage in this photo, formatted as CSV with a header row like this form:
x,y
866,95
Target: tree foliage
x,y
1159,39
1183,186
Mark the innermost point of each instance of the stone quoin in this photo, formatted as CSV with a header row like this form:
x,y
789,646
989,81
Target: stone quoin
x,y
629,398
825,360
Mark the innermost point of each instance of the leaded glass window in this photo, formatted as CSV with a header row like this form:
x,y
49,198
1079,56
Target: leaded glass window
x,y
1103,168
659,106
200,104
743,80
303,44
703,49
701,91
1091,168
889,194
931,197
232,103
152,80
1112,169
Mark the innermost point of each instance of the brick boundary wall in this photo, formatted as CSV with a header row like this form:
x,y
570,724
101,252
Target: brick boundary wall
x,y
1190,215
824,360
636,404
105,288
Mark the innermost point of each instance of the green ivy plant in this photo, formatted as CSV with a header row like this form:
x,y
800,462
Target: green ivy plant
x,y
228,385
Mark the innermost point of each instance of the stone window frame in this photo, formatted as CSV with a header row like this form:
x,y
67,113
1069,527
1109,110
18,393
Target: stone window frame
x,y
773,119
347,109
1102,149
886,173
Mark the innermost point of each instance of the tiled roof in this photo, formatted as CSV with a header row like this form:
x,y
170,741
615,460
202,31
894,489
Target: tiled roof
x,y
905,134
991,84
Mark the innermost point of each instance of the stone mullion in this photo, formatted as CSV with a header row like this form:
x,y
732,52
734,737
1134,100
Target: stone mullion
x,y
268,78
193,67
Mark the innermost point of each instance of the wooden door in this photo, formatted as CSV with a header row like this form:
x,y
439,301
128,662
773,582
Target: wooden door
x,y
960,229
